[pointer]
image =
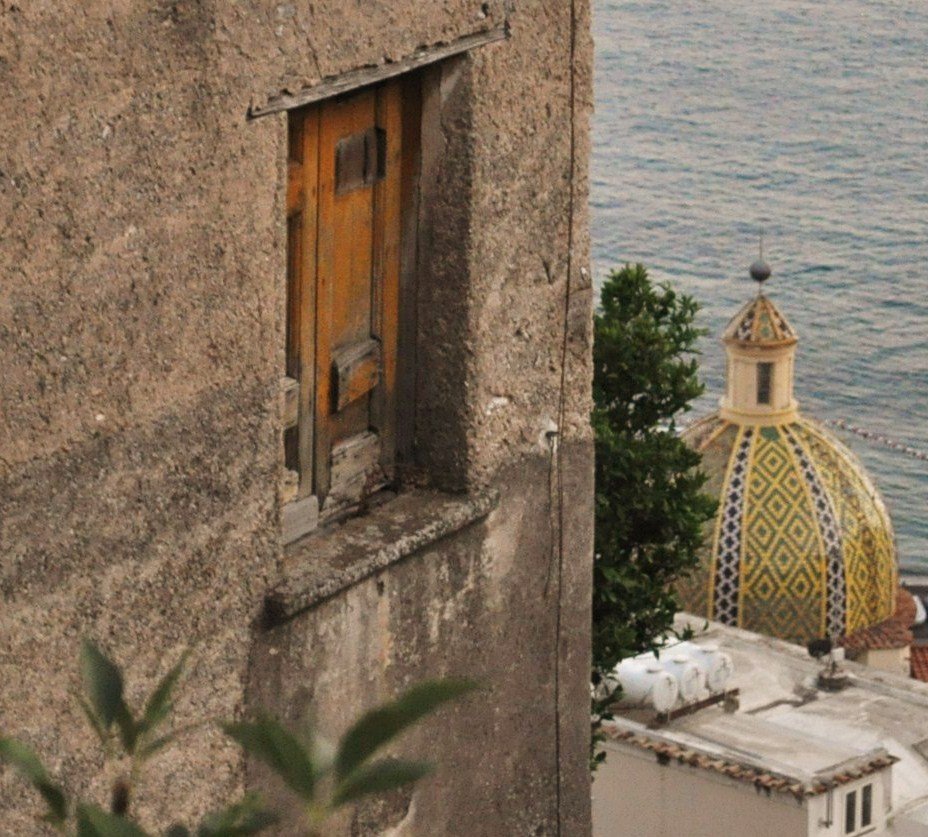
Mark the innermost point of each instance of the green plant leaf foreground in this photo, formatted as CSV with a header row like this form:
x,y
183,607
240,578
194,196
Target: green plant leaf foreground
x,y
292,756
239,820
102,684
267,740
378,777
95,822
161,702
93,720
128,729
27,764
380,725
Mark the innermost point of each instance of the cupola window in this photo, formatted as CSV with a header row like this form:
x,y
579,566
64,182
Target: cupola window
x,y
764,382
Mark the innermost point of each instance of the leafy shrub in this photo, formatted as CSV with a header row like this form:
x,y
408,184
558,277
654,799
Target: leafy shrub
x,y
650,504
323,779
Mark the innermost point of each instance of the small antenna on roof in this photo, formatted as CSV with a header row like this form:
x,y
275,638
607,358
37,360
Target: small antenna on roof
x,y
832,678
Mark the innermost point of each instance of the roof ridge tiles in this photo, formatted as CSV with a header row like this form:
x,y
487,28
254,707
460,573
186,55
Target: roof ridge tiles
x,y
743,770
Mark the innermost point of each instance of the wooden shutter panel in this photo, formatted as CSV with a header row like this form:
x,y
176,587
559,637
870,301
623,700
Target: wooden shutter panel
x,y
302,203
344,217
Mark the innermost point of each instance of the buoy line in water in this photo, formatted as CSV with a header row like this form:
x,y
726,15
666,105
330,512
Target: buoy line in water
x,y
878,438
869,435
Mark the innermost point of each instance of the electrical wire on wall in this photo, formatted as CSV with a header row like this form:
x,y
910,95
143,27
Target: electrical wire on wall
x,y
556,489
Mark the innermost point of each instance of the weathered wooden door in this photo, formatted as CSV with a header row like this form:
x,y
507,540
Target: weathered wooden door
x,y
344,228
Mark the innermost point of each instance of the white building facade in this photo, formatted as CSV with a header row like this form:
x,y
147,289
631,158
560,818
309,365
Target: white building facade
x,y
776,754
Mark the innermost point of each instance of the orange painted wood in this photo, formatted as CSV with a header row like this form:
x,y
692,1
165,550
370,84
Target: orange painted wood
x,y
356,372
387,238
344,254
305,302
295,181
351,219
343,277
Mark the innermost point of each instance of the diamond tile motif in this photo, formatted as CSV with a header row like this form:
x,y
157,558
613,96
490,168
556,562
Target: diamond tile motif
x,y
728,559
714,438
782,583
802,544
869,563
836,592
765,329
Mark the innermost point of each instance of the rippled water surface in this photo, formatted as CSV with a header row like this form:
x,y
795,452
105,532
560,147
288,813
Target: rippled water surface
x,y
810,119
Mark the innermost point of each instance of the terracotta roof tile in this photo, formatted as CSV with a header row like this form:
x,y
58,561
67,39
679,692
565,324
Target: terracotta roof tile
x,y
748,773
919,662
894,632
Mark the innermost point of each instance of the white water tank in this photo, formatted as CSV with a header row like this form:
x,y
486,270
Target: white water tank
x,y
921,615
687,674
646,683
716,667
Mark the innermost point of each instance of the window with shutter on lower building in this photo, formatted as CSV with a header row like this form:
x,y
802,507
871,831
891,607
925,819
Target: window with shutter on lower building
x,y
850,813
858,810
350,174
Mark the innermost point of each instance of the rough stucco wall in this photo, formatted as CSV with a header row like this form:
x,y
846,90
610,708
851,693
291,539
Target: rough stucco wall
x,y
681,800
496,184
127,160
442,426
526,192
141,301
139,322
482,604
505,182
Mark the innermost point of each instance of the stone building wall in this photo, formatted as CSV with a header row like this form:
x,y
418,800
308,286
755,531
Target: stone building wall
x,y
142,297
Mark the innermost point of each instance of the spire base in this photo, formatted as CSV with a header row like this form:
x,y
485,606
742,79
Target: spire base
x,y
757,417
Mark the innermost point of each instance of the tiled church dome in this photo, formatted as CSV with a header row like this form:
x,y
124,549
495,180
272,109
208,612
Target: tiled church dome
x,y
802,545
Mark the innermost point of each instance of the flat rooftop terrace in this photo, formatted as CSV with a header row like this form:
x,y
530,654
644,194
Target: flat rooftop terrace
x,y
789,734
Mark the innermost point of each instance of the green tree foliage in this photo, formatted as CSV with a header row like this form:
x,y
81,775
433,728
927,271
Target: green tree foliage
x,y
322,778
650,508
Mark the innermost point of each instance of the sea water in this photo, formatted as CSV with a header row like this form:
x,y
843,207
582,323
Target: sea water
x,y
717,118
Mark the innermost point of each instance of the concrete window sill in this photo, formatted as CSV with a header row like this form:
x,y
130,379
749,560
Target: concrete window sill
x,y
337,557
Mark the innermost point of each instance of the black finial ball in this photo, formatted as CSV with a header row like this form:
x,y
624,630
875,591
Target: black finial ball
x,y
760,271
819,647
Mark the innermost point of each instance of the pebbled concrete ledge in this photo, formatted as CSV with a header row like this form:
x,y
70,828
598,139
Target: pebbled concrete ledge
x,y
333,559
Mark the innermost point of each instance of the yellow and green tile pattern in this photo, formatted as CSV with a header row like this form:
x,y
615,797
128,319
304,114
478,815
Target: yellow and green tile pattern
x,y
802,545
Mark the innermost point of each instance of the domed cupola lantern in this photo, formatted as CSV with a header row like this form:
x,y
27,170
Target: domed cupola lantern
x,y
761,345
802,545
